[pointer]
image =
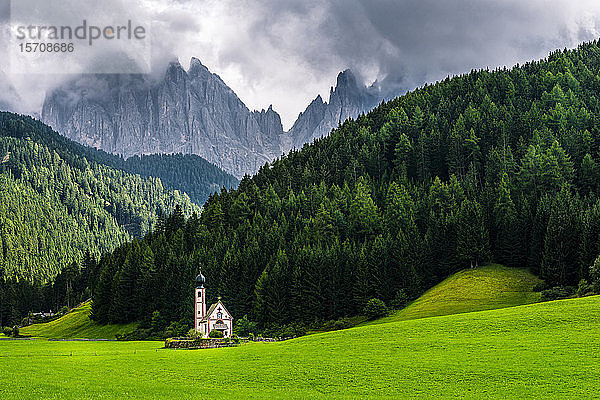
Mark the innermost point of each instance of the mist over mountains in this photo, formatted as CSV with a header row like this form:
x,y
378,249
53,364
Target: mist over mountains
x,y
193,112
9,98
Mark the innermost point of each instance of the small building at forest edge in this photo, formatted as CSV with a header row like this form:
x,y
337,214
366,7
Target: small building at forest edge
x,y
216,318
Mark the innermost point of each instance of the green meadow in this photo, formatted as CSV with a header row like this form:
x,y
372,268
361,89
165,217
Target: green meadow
x,y
484,288
545,350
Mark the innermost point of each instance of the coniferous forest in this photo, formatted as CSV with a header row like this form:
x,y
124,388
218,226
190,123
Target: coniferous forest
x,y
488,166
63,202
189,173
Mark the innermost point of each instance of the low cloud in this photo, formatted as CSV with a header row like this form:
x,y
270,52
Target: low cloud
x,y
285,52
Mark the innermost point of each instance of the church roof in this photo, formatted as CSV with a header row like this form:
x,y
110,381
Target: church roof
x,y
212,308
210,311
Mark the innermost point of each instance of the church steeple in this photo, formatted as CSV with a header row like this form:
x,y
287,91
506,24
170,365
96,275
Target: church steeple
x,y
199,304
200,279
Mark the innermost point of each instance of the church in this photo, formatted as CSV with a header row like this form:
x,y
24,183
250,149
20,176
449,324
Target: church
x,y
216,318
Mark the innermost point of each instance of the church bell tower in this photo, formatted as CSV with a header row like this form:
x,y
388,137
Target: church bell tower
x,y
200,304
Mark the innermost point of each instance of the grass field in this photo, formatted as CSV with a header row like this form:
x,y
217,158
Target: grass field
x,y
76,324
545,350
484,288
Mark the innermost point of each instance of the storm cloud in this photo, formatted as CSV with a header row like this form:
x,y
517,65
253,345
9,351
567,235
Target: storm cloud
x,y
285,52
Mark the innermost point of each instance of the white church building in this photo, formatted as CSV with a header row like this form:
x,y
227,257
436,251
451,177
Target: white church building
x,y
216,318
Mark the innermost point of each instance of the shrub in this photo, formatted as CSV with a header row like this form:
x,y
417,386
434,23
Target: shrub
x,y
215,334
271,331
328,325
540,286
245,327
335,325
375,308
343,323
400,300
192,334
138,334
7,331
15,331
176,329
584,288
595,275
284,331
292,330
288,332
557,292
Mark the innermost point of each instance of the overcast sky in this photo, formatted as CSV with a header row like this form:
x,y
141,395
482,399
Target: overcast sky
x,y
285,52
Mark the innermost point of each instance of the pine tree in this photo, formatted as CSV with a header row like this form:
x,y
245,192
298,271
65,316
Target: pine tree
x,y
273,292
507,229
590,238
589,173
364,214
559,260
472,237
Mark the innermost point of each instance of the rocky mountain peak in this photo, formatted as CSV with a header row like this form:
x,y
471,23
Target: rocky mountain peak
x,y
269,123
346,79
185,112
347,99
197,69
175,74
192,111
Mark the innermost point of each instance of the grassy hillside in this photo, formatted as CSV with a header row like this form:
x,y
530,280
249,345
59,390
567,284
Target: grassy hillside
x,y
546,350
484,288
76,324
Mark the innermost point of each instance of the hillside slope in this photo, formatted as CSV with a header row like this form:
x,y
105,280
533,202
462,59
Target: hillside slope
x,y
484,288
547,350
187,173
76,324
59,199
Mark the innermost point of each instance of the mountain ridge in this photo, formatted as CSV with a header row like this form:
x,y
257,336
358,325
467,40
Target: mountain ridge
x,y
189,112
193,112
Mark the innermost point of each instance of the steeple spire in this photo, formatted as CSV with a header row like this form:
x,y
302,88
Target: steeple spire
x,y
200,279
